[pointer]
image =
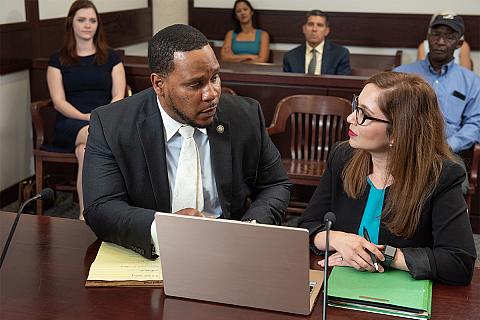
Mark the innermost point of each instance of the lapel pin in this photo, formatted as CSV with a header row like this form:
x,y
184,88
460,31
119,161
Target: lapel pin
x,y
220,129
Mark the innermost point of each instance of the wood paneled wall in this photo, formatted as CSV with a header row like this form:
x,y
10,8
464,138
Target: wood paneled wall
x,y
22,42
347,28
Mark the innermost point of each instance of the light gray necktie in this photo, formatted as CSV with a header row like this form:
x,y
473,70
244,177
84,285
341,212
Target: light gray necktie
x,y
313,62
188,190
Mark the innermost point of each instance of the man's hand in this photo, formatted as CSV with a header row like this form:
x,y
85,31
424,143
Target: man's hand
x,y
190,212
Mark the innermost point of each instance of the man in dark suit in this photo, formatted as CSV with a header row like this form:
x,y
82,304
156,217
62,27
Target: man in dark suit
x,y
317,55
134,146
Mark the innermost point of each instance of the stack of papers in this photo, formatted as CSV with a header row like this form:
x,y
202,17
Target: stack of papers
x,y
116,266
393,292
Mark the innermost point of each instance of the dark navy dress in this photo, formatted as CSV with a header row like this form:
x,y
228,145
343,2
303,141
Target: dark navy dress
x,y
87,86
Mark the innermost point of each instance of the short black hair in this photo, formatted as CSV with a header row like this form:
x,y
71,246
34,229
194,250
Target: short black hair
x,y
175,38
318,13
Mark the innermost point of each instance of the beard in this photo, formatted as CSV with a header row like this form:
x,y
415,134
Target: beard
x,y
185,118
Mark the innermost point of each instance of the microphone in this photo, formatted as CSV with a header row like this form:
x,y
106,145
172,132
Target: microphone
x,y
45,194
329,220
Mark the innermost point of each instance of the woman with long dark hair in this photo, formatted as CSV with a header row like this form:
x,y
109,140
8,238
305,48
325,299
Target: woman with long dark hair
x,y
82,76
245,43
397,178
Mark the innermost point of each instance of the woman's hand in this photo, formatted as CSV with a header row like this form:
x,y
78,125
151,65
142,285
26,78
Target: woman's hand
x,y
352,250
86,116
250,57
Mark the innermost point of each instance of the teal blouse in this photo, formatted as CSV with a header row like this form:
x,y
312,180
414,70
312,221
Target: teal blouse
x,y
372,213
247,47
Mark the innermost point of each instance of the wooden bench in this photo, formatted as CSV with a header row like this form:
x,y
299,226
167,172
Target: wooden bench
x,y
362,64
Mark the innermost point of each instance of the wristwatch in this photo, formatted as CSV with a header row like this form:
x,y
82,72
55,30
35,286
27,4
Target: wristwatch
x,y
389,253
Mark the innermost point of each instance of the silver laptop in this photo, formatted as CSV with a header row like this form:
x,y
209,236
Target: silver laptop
x,y
237,263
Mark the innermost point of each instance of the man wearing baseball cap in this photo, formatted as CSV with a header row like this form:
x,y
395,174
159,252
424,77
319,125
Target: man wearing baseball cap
x,y
457,88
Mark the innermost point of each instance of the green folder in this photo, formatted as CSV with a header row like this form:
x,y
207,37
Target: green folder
x,y
393,292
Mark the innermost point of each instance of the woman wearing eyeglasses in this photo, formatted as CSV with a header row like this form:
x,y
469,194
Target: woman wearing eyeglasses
x,y
397,178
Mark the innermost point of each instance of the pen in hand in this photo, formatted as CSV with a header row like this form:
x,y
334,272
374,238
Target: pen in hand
x,y
372,256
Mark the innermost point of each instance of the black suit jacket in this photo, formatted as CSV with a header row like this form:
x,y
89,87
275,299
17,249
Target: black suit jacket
x,y
442,247
335,59
125,176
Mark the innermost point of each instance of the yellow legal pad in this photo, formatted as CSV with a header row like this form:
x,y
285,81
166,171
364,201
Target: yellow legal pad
x,y
116,266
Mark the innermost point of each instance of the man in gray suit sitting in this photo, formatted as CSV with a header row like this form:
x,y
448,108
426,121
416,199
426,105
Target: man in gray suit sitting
x,y
136,159
317,55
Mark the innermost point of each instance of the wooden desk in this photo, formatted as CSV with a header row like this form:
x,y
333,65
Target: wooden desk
x,y
44,273
6,222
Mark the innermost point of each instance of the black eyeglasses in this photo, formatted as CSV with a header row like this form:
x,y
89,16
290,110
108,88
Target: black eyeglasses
x,y
360,115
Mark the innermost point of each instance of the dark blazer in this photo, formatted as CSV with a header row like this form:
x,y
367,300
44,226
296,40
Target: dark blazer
x,y
442,247
125,176
335,59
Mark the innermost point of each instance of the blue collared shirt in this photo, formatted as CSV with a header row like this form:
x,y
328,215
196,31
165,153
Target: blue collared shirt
x,y
173,146
458,93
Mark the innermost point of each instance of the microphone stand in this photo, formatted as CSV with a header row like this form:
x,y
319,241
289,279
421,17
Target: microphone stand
x,y
325,281
46,193
329,220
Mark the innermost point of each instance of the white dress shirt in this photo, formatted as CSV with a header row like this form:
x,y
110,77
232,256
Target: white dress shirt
x,y
173,146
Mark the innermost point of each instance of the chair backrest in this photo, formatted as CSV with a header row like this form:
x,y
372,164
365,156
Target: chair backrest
x,y
471,157
316,123
128,91
228,90
43,118
473,175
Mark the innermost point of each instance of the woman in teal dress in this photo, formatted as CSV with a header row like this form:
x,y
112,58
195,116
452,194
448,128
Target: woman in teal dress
x,y
245,43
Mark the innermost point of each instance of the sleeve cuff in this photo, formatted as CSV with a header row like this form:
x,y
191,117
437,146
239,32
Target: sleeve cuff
x,y
454,144
418,263
153,234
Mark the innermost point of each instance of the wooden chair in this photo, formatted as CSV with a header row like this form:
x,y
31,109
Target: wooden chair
x,y
228,90
43,119
316,123
473,190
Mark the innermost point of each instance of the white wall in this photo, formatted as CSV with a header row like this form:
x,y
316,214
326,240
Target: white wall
x,y
12,11
16,159
379,6
50,9
139,49
165,13
168,12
